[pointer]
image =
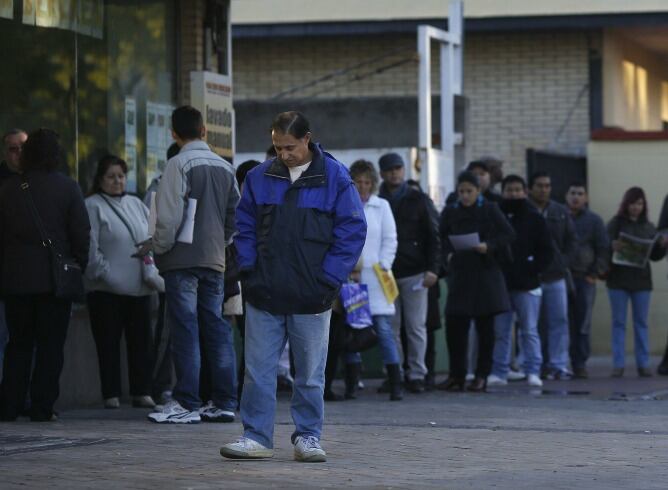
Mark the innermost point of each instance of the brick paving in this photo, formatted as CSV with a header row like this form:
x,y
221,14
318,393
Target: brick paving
x,y
510,438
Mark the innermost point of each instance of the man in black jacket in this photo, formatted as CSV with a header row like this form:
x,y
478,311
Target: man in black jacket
x,y
556,279
531,254
589,262
662,227
416,264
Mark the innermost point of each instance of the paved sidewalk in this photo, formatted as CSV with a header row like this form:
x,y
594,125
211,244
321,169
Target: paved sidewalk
x,y
509,438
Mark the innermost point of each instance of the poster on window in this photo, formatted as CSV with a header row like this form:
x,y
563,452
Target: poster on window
x,y
131,142
7,9
158,138
211,93
29,12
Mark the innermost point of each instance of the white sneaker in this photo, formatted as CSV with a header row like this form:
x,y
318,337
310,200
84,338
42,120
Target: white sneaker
x,y
516,375
308,450
173,413
112,402
494,380
470,377
245,448
211,413
534,380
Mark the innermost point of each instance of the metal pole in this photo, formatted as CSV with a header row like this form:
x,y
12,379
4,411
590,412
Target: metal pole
x,y
424,102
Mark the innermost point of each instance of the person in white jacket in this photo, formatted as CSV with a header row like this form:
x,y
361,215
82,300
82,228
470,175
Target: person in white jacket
x,y
380,248
119,299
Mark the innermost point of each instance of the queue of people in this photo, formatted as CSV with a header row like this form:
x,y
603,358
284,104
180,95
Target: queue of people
x,y
268,247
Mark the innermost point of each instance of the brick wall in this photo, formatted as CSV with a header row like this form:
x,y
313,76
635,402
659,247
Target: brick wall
x,y
521,86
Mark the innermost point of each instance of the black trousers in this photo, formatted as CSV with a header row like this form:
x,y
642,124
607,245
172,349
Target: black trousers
x,y
37,325
457,336
163,368
111,315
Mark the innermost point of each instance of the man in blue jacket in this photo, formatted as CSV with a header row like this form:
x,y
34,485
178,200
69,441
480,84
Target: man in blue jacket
x,y
301,231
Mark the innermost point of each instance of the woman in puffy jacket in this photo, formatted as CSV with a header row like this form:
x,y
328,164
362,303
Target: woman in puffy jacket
x,y
119,297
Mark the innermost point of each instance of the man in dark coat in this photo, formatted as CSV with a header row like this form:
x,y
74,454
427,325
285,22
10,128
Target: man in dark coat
x,y
662,227
416,265
556,280
531,254
589,262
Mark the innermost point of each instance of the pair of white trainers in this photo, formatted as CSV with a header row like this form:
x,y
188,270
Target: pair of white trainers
x,y
173,413
494,380
307,450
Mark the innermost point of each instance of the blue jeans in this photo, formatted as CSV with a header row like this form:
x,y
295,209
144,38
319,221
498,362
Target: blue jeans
x,y
553,325
580,312
388,349
195,305
266,335
619,300
527,308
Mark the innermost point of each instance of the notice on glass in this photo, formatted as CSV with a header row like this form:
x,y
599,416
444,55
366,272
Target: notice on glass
x,y
188,227
464,242
633,251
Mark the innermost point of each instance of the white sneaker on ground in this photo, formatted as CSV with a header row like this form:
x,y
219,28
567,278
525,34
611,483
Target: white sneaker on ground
x,y
470,377
308,450
516,375
211,413
494,380
245,448
534,380
112,402
174,413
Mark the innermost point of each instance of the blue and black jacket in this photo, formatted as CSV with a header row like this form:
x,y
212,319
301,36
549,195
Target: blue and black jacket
x,y
298,242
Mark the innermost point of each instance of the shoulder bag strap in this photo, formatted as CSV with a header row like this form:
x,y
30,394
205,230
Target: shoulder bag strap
x,y
46,241
120,216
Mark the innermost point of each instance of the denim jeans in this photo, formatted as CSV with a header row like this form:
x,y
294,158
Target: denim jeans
x,y
553,325
619,299
266,335
388,349
195,305
527,308
580,312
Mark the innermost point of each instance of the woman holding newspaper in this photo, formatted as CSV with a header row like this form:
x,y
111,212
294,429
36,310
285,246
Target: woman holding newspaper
x,y
634,243
474,235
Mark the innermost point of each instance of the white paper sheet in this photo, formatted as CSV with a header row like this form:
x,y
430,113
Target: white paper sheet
x,y
188,228
464,242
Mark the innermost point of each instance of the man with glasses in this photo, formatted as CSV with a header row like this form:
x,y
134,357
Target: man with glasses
x,y
12,142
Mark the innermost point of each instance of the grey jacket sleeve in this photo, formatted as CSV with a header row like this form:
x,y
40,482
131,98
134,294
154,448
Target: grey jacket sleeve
x,y
170,205
98,266
230,219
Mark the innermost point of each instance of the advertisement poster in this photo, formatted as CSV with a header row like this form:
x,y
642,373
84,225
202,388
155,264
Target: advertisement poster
x,y
131,142
634,252
7,9
211,93
29,12
158,138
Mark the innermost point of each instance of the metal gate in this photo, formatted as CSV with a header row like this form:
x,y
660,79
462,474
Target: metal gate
x,y
563,169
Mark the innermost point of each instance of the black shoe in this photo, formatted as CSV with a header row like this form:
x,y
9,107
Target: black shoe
x,y
415,386
451,384
662,369
644,372
352,378
429,382
580,373
394,382
330,396
478,385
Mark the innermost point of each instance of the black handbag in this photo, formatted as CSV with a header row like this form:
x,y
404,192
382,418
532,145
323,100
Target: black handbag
x,y
65,271
360,339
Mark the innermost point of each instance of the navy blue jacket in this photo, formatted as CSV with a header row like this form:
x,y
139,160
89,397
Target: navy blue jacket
x,y
298,242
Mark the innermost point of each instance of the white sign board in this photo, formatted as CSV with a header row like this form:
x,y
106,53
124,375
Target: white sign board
x,y
211,93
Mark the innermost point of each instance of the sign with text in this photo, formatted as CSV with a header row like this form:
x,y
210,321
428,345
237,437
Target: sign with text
x,y
211,93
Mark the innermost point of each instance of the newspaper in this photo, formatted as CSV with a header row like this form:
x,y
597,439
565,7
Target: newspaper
x,y
634,251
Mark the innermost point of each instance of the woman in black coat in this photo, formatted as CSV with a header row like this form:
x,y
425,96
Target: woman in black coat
x,y
37,320
476,287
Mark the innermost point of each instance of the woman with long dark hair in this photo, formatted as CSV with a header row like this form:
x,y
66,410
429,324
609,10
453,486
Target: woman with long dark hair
x,y
119,297
631,283
476,286
36,318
